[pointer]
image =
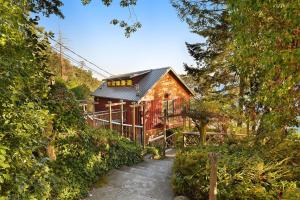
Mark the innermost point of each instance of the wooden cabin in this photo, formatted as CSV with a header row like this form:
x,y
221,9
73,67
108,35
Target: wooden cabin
x,y
159,92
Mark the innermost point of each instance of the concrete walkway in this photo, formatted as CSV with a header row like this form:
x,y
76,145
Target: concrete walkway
x,y
149,180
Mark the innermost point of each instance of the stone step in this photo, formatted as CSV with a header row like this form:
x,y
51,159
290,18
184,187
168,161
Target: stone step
x,y
155,166
114,193
141,185
143,171
149,180
160,168
154,169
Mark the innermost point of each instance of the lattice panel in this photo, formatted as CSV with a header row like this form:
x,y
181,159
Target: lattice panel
x,y
191,140
171,141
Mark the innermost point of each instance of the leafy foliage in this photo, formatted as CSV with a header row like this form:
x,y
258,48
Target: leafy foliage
x,y
81,91
248,63
201,113
23,117
266,52
249,67
42,133
80,81
63,105
84,156
244,172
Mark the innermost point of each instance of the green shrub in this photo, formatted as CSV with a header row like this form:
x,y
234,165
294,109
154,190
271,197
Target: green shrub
x,y
83,157
81,92
62,104
156,153
244,172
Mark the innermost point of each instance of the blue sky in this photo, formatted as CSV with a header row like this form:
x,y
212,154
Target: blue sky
x,y
159,43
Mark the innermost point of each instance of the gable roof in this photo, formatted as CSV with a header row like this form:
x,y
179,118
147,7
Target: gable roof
x,y
151,77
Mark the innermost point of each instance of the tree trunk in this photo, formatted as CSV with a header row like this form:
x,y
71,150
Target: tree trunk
x,y
203,133
213,157
241,100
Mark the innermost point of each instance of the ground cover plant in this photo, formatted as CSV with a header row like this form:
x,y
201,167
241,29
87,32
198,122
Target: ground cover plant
x,y
244,172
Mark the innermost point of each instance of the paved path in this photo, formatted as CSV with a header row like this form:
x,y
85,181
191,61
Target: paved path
x,y
149,180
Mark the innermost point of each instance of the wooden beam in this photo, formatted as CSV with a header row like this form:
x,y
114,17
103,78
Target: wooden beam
x,y
144,128
133,120
110,114
135,105
213,157
122,116
114,104
165,132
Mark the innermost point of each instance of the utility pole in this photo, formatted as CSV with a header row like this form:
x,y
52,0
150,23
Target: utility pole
x,y
60,53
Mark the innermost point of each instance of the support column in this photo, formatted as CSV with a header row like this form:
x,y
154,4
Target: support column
x,y
110,115
133,122
122,117
213,157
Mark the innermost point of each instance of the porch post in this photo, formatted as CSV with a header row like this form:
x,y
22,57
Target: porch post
x,y
122,117
213,157
133,121
110,115
144,128
94,121
165,132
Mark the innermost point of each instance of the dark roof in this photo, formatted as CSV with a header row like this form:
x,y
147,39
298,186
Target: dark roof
x,y
129,75
130,93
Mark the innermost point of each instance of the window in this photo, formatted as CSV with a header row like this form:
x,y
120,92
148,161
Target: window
x,y
168,105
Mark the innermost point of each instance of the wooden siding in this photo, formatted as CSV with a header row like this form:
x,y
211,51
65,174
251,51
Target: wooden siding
x,y
167,88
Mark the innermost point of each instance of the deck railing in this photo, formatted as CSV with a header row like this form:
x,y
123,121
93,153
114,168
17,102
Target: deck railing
x,y
116,120
126,130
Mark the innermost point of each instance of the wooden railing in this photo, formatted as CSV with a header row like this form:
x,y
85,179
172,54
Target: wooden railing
x,y
159,140
170,141
193,138
162,141
126,130
104,115
115,119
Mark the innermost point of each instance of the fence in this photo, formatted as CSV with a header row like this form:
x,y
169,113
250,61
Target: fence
x,y
114,120
152,116
156,109
193,138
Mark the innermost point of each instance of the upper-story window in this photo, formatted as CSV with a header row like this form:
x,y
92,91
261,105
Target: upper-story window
x,y
168,107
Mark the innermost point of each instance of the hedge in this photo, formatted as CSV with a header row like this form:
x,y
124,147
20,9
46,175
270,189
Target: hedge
x,y
244,171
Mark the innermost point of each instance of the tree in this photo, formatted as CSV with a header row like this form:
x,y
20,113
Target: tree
x,y
266,52
202,112
25,119
216,78
248,62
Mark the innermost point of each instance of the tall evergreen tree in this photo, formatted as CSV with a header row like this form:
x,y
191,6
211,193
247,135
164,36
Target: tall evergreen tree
x,y
217,79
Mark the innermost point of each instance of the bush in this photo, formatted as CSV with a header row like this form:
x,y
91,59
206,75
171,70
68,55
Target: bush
x,y
243,171
83,157
81,92
62,104
52,154
155,152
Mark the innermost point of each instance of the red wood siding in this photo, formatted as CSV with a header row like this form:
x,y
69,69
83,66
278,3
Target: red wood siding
x,y
167,88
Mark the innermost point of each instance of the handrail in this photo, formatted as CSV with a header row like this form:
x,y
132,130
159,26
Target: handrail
x,y
156,138
207,133
118,123
105,112
170,136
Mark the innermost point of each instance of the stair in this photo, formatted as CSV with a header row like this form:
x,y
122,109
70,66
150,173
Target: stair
x,y
149,180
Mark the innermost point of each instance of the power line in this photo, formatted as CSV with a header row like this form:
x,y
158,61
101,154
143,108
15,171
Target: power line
x,y
78,62
79,55
72,51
